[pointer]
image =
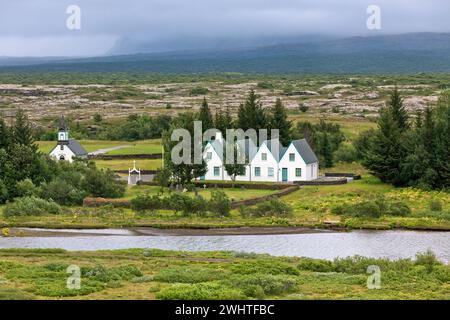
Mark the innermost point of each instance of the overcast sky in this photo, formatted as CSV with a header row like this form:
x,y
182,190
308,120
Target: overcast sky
x,y
38,27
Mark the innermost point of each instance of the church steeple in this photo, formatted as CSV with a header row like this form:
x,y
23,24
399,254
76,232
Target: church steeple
x,y
63,132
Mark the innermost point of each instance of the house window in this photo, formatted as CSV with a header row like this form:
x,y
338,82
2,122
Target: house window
x,y
216,171
257,172
291,157
208,155
264,156
270,172
62,147
62,158
298,172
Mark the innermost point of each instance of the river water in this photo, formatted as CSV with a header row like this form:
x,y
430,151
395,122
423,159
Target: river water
x,y
325,245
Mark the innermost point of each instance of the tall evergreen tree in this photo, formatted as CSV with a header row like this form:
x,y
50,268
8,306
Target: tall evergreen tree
x,y
251,114
22,131
279,120
205,116
398,111
223,121
326,151
383,158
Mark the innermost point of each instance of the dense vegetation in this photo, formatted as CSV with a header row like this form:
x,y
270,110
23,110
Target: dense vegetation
x,y
25,172
407,153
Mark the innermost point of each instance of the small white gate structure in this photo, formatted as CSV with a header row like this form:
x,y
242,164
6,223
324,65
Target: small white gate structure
x,y
134,171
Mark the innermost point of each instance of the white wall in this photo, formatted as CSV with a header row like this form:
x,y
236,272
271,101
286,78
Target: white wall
x,y
62,150
309,172
298,163
271,162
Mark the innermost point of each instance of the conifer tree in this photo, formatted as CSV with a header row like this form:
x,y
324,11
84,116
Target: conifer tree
x,y
205,116
279,120
251,114
398,111
22,131
383,158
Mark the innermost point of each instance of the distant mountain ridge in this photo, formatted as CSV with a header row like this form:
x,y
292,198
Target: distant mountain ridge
x,y
405,53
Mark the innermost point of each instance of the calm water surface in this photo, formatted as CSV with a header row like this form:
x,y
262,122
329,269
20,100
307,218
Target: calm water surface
x,y
327,245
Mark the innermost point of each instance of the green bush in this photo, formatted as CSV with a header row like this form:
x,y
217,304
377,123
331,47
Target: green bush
x,y
196,91
264,267
316,265
271,208
108,275
374,206
435,205
62,192
270,284
180,202
427,259
189,275
219,203
200,291
146,202
398,208
31,206
26,188
103,183
346,153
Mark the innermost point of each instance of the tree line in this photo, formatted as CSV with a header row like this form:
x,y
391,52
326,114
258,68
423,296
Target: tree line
x,y
26,172
407,152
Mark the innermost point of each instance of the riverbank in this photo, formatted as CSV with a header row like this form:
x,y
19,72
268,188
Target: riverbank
x,y
40,232
157,274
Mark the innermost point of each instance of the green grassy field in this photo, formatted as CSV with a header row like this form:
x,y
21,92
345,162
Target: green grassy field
x,y
157,274
135,147
125,164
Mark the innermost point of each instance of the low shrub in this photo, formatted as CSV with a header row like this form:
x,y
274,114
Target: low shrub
x,y
264,267
257,285
219,204
271,208
316,265
189,275
31,206
398,208
374,207
146,202
200,291
427,259
435,205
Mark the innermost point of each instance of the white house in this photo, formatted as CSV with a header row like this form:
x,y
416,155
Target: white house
x,y
271,162
66,149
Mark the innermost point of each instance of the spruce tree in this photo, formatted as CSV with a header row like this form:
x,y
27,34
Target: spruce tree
x,y
326,151
251,114
22,131
223,121
383,158
205,116
279,120
398,111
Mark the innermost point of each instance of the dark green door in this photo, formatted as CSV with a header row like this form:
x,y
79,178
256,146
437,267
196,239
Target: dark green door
x,y
284,174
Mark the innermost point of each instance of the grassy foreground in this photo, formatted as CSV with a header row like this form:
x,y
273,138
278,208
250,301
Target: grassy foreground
x,y
156,274
312,207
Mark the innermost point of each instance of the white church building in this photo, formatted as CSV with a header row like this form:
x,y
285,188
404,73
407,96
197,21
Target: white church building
x,y
66,149
270,162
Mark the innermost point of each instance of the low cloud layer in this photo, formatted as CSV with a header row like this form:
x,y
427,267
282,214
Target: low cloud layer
x,y
38,27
